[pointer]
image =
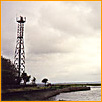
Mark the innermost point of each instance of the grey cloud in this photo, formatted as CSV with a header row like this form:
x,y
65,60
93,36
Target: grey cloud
x,y
68,19
61,38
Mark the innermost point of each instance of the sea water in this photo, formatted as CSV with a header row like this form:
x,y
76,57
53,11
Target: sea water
x,y
90,95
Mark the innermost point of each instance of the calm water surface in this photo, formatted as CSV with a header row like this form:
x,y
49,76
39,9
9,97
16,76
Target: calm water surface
x,y
91,95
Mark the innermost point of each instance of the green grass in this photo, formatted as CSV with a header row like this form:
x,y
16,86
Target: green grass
x,y
56,86
24,89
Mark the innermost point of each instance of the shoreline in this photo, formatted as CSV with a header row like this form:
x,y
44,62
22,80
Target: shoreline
x,y
38,95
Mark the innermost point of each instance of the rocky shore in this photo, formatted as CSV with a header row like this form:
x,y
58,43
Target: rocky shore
x,y
38,95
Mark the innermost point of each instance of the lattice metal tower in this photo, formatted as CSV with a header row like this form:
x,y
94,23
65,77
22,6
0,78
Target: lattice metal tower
x,y
19,58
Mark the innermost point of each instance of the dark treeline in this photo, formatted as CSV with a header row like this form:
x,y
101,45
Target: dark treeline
x,y
9,74
10,78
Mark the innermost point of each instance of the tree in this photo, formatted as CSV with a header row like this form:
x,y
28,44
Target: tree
x,y
25,77
33,80
8,72
44,81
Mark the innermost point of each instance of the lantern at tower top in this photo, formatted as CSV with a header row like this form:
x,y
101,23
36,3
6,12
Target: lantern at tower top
x,y
21,19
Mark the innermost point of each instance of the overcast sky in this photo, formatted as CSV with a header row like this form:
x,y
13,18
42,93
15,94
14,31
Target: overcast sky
x,y
62,38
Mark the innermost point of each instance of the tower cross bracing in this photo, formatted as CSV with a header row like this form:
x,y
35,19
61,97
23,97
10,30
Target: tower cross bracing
x,y
19,58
